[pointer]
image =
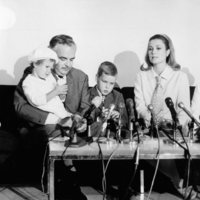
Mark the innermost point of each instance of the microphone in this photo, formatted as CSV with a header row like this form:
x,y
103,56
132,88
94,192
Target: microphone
x,y
176,125
75,140
170,105
130,110
181,105
121,107
95,103
104,125
150,107
111,108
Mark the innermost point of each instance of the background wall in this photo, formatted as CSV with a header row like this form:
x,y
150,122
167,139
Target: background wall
x,y
114,30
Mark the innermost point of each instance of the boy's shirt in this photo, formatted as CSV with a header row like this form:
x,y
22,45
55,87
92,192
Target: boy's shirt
x,y
115,98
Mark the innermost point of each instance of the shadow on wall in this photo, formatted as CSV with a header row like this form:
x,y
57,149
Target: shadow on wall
x,y
189,75
19,67
128,66
6,78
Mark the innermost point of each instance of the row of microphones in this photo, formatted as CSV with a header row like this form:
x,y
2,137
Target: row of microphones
x,y
173,112
170,105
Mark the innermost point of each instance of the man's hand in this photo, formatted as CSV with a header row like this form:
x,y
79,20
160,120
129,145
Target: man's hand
x,y
81,123
66,122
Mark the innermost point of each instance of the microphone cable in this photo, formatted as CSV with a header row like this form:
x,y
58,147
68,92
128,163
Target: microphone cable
x,y
100,150
186,154
106,167
100,155
136,157
157,163
189,161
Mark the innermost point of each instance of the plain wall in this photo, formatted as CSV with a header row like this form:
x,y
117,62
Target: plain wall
x,y
113,30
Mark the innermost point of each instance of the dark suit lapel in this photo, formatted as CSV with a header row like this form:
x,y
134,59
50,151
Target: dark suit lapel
x,y
69,82
54,75
93,92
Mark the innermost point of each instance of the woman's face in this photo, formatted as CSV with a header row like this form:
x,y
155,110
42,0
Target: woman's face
x,y
157,51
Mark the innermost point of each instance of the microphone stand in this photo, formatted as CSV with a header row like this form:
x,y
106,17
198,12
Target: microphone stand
x,y
174,129
174,126
89,138
108,131
153,125
74,141
131,131
119,130
191,131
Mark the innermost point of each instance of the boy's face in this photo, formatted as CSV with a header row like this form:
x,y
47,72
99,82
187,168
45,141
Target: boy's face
x,y
44,68
106,83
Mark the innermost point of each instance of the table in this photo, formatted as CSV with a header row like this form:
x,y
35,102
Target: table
x,y
147,150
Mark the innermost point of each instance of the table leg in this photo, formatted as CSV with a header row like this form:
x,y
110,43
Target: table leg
x,y
51,180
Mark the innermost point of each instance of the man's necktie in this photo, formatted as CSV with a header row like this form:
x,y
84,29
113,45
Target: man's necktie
x,y
62,81
157,101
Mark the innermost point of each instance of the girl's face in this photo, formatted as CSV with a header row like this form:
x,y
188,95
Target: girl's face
x,y
157,51
106,83
43,68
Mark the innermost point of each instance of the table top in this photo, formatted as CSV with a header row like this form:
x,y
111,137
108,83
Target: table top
x,y
148,149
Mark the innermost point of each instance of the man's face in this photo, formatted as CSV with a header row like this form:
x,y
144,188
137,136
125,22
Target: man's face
x,y
66,55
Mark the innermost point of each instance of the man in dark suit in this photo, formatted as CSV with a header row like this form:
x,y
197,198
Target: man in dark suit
x,y
76,100
75,96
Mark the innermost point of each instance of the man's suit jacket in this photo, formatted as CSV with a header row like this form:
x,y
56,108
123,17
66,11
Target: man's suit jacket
x,y
77,100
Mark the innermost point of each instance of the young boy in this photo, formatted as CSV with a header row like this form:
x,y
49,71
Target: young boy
x,y
104,92
40,86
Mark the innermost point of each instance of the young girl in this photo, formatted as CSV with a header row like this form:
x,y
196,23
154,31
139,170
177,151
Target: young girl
x,y
40,87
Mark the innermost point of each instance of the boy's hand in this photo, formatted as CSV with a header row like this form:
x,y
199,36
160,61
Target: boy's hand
x,y
105,112
115,114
